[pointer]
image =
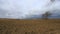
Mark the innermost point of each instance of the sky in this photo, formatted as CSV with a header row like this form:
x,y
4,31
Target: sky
x,y
25,8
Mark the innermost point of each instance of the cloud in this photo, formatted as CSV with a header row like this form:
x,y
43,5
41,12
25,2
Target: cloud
x,y
25,8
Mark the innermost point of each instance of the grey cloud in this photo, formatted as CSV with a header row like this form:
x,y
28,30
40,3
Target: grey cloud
x,y
3,13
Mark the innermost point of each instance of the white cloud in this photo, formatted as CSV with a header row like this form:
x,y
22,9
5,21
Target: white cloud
x,y
22,8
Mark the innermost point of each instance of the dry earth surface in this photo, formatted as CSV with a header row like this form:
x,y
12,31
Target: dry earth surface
x,y
35,26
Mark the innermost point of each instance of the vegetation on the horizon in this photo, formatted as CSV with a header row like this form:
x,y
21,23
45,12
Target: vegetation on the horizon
x,y
46,15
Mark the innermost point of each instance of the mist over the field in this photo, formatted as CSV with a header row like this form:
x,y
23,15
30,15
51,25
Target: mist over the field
x,y
26,8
